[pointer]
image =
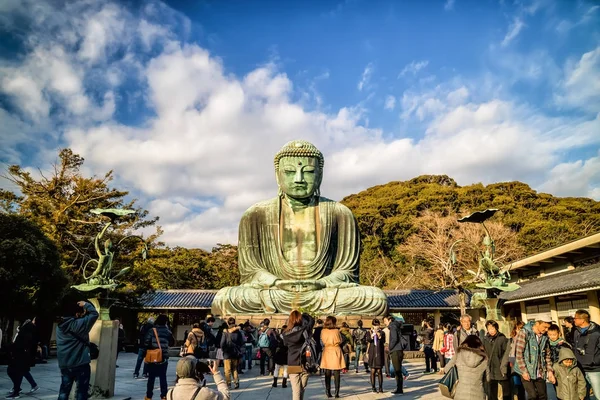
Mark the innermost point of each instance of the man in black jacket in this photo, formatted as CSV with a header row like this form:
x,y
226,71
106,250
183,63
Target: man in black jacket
x,y
397,345
22,357
426,335
497,348
144,329
232,342
586,346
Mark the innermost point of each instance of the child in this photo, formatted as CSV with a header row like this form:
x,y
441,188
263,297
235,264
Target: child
x,y
570,381
556,342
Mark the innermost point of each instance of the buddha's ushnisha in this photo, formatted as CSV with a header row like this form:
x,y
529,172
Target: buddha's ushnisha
x,y
299,250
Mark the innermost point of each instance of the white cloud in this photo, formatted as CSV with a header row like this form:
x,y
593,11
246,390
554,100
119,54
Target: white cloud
x,y
204,152
413,68
577,178
365,77
449,5
513,31
390,103
581,84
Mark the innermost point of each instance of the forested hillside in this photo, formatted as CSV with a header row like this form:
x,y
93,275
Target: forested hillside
x,y
388,214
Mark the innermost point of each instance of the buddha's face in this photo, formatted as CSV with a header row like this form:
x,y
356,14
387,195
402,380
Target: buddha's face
x,y
299,177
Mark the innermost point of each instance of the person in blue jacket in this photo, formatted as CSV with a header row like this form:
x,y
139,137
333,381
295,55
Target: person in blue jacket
x,y
73,352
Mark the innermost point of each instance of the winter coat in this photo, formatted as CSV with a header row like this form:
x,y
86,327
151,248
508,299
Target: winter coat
x,y
70,351
472,366
438,340
347,341
589,342
531,356
396,342
232,343
143,332
570,383
497,349
376,352
24,347
185,389
426,335
317,337
194,338
359,335
281,353
294,340
332,357
461,335
555,349
164,336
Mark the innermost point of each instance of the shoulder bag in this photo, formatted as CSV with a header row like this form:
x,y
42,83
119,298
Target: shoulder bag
x,y
154,356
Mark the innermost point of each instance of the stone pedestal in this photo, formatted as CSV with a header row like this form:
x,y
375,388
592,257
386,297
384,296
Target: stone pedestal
x,y
278,320
105,333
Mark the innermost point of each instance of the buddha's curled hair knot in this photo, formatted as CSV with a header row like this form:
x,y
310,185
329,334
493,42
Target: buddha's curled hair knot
x,y
299,148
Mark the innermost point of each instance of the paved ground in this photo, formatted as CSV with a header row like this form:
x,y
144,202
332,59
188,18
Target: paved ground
x,y
252,386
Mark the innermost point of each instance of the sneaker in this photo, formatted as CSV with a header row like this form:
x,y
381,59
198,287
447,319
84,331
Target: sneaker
x,y
406,377
136,376
34,389
11,391
13,396
236,386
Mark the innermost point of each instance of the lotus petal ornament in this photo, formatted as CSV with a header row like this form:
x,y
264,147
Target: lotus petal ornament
x,y
112,213
479,216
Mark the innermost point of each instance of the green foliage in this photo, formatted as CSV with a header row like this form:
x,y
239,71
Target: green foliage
x,y
30,275
59,202
388,214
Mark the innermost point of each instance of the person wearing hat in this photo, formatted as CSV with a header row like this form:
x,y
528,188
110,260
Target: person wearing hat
x,y
191,382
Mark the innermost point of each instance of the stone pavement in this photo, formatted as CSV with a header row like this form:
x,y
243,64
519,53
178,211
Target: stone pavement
x,y
252,386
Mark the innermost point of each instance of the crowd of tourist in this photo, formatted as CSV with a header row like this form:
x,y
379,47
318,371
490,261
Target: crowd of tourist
x,y
488,363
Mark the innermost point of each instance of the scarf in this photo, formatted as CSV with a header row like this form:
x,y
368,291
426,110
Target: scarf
x,y
556,342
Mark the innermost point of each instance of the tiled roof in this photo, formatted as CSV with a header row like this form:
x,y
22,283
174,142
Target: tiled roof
x,y
397,299
424,299
179,299
578,280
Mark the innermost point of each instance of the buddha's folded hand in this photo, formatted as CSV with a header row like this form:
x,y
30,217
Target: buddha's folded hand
x,y
298,285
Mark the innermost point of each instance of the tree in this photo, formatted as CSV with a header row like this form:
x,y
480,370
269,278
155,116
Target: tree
x,y
428,250
30,275
59,203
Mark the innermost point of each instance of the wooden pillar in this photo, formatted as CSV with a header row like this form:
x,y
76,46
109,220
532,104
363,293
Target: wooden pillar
x,y
553,310
523,312
437,316
594,306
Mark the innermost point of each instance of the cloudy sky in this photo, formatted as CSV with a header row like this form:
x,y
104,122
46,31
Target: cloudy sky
x,y
189,103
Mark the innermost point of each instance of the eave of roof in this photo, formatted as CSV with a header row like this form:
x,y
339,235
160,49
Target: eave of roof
x,y
562,250
580,279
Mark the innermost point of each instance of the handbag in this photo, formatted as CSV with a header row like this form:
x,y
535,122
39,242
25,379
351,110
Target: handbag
x,y
154,356
448,383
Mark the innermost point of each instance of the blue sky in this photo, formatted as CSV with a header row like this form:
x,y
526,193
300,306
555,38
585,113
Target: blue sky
x,y
188,101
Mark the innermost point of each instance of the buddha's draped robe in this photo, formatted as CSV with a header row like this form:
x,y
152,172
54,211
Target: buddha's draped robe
x,y
261,263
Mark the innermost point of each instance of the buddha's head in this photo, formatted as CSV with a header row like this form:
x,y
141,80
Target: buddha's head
x,y
299,169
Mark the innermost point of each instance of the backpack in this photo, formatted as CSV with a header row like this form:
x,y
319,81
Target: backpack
x,y
263,340
230,346
201,349
360,336
308,354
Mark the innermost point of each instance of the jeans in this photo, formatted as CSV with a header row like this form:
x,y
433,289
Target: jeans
x,y
249,355
359,353
441,358
81,374
231,368
430,360
16,375
516,386
536,389
160,371
299,382
505,384
396,359
264,352
593,380
138,363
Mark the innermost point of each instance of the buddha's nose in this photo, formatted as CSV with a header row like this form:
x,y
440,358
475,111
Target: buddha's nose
x,y
298,178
